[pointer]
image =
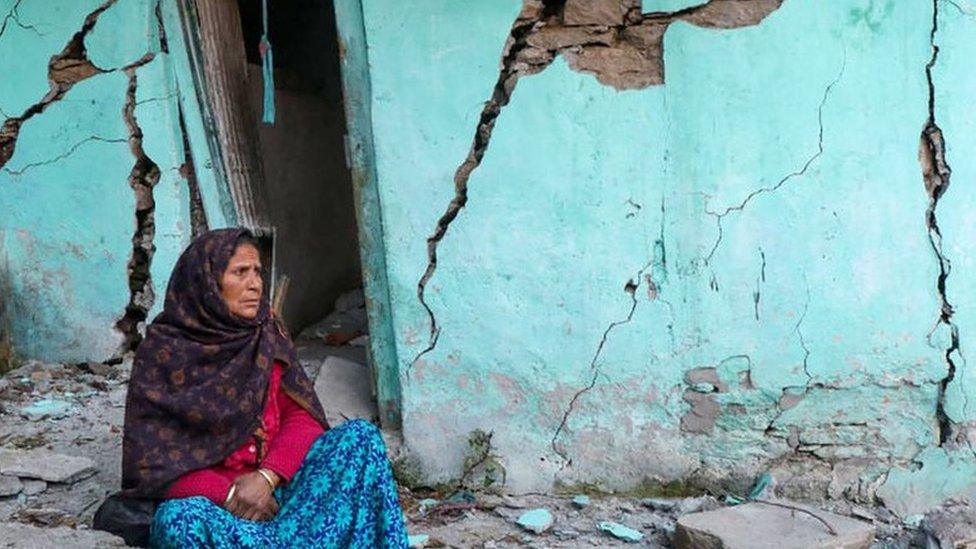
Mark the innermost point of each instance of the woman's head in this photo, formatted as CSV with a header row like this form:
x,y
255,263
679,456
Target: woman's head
x,y
241,286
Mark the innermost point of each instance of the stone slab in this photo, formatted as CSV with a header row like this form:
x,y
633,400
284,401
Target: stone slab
x,y
10,486
761,526
951,526
23,536
45,465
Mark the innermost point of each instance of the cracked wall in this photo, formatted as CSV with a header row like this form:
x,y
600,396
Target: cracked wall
x,y
94,208
779,311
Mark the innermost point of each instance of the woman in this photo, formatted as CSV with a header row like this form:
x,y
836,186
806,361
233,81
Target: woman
x,y
223,424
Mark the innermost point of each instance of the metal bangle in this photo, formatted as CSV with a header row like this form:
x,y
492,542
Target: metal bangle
x,y
267,477
230,494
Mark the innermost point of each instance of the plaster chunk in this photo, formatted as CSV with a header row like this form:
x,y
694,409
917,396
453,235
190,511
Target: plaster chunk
x,y
624,66
596,12
762,526
732,14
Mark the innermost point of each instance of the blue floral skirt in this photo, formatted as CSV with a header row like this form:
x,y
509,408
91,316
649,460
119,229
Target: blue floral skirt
x,y
344,495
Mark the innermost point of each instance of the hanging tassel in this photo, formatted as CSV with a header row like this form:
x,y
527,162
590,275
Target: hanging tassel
x,y
267,69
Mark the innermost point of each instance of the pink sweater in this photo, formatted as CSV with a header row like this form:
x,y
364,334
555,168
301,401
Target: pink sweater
x,y
289,432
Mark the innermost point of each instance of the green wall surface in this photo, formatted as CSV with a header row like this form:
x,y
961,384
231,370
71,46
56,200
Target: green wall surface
x,y
728,273
67,210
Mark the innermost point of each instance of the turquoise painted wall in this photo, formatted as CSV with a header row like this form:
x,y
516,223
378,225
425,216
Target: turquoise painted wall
x,y
747,241
67,212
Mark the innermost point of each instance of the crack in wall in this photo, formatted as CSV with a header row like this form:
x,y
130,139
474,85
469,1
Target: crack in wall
x,y
936,175
14,15
65,70
646,273
631,288
611,39
143,177
760,280
719,217
71,150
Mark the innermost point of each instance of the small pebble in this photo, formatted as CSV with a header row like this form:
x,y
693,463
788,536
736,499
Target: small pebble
x,y
620,531
536,520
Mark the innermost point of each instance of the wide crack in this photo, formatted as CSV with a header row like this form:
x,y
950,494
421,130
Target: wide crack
x,y
625,53
937,174
64,71
501,94
143,177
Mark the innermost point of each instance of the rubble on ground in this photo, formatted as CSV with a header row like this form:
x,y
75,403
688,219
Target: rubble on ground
x,y
57,464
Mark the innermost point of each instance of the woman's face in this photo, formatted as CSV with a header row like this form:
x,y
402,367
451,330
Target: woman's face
x,y
241,283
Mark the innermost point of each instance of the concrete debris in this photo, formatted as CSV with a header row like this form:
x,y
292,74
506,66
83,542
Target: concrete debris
x,y
345,390
620,531
348,301
10,486
581,501
536,520
48,517
427,504
25,536
660,504
417,541
759,525
361,341
952,526
662,524
347,322
48,408
34,487
695,505
45,465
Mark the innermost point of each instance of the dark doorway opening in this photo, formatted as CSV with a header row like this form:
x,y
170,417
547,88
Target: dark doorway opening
x,y
310,198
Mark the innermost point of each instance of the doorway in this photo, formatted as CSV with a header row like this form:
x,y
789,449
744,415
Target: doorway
x,y
309,198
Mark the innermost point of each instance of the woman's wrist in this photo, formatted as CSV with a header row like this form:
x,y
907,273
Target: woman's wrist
x,y
230,494
270,476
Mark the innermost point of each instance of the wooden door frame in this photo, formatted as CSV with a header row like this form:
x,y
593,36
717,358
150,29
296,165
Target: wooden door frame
x,y
360,156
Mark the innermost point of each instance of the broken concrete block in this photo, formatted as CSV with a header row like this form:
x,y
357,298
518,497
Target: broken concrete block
x,y
620,531
609,13
951,527
45,465
345,390
581,501
759,526
536,520
417,541
10,486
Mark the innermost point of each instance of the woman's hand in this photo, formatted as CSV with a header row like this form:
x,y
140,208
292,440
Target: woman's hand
x,y
253,498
